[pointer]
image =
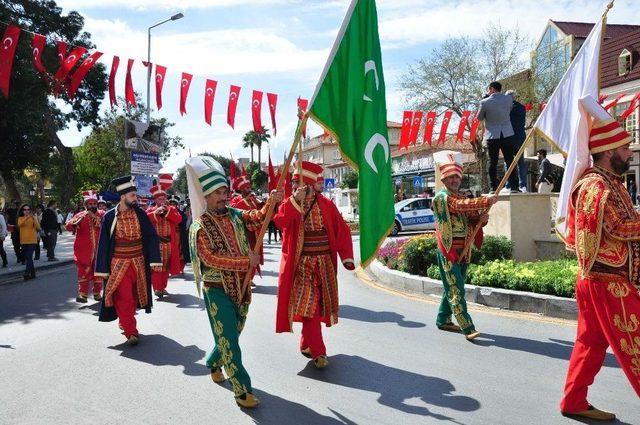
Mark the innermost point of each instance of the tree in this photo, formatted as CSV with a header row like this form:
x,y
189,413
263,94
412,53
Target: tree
x,y
31,118
256,138
456,74
258,177
180,178
350,180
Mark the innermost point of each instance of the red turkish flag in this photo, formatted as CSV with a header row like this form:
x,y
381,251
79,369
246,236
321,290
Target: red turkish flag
x,y
69,62
442,138
256,109
407,119
428,127
209,96
112,81
415,127
61,47
81,72
7,53
602,97
303,104
635,102
464,119
129,94
528,107
37,46
234,94
185,83
161,71
473,133
614,102
233,172
272,98
273,180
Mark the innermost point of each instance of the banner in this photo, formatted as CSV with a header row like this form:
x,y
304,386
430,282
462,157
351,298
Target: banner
x,y
145,163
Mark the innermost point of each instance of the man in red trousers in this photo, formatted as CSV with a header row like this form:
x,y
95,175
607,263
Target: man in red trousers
x,y
87,230
246,200
165,218
314,234
603,229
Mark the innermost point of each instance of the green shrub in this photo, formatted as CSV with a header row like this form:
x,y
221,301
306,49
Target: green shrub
x,y
419,253
493,248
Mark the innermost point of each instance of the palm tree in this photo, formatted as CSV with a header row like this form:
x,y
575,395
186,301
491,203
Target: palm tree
x,y
256,138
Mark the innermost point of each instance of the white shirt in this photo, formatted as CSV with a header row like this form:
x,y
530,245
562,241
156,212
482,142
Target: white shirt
x,y
3,227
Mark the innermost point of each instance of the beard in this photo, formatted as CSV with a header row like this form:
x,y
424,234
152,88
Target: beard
x,y
130,204
618,165
93,209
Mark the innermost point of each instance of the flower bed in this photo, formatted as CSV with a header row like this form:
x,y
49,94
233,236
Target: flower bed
x,y
491,266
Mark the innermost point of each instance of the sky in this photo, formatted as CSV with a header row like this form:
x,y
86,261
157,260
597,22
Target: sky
x,y
281,46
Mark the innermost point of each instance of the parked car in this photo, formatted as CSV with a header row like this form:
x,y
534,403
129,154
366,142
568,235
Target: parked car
x,y
413,214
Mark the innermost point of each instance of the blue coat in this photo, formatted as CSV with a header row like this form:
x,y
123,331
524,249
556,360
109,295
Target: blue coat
x,y
184,238
106,245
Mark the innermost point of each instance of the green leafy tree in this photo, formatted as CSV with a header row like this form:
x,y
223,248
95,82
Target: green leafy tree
x,y
180,178
253,139
350,180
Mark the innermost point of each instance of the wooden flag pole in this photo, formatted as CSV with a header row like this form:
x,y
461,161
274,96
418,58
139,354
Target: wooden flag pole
x,y
503,182
272,205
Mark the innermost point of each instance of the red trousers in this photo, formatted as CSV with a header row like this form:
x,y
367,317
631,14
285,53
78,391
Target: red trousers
x,y
85,276
312,335
159,280
125,302
607,316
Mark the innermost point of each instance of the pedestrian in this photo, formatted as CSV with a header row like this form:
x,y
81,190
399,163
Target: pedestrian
x,y
50,227
495,111
221,258
314,234
632,188
245,199
128,249
455,217
29,227
86,226
165,219
518,118
38,215
102,204
604,231
61,221
273,230
544,184
3,234
182,232
12,226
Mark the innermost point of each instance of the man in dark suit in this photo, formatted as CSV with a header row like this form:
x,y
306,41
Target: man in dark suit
x,y
495,112
518,118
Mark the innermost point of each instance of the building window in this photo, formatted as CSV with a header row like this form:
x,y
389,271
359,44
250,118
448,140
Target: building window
x,y
624,62
631,123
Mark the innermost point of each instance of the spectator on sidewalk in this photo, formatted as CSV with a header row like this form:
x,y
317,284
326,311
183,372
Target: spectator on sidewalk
x,y
28,238
50,226
12,225
3,235
518,117
38,214
544,184
60,220
495,112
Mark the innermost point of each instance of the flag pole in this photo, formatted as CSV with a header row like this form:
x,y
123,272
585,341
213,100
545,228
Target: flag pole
x,y
272,205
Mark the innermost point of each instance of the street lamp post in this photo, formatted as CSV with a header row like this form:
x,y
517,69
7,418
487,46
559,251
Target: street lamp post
x,y
173,18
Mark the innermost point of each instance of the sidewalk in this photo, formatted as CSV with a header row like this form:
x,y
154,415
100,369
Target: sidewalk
x,y
64,253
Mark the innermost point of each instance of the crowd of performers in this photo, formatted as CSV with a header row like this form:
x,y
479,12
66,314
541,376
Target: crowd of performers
x,y
126,254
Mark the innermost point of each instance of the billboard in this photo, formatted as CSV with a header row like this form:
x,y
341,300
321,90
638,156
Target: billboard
x,y
142,137
145,163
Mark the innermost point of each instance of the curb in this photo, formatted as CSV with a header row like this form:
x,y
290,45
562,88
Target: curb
x,y
506,299
11,277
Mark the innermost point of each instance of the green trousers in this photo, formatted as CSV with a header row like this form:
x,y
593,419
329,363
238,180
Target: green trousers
x,y
227,321
453,276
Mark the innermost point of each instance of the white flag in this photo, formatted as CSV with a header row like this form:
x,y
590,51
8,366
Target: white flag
x,y
564,123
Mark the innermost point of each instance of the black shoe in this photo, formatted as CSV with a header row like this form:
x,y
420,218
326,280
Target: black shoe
x,y
4,266
36,258
81,299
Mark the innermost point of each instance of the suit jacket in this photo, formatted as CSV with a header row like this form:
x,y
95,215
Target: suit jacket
x,y
518,121
495,111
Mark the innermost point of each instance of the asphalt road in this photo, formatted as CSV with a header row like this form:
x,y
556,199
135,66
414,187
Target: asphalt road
x,y
389,363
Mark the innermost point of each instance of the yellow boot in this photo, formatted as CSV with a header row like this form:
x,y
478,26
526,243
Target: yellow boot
x,y
217,376
247,400
593,414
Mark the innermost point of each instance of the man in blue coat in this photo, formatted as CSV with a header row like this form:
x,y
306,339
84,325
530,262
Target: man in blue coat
x,y
127,252
183,232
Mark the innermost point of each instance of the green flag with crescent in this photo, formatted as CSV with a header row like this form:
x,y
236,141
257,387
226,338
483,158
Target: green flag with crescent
x,y
349,102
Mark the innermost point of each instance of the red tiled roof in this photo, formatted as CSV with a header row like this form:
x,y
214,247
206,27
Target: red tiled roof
x,y
582,29
611,49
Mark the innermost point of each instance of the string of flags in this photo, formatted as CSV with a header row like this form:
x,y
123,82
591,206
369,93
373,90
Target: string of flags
x,y
75,62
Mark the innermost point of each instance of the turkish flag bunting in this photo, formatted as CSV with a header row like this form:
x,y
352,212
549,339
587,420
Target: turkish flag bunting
x,y
407,119
272,98
528,107
37,46
112,81
614,102
161,71
209,96
70,61
473,133
464,119
61,47
233,172
602,97
273,180
81,72
443,128
7,53
234,94
256,109
129,94
185,83
303,104
635,102
428,128
415,127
